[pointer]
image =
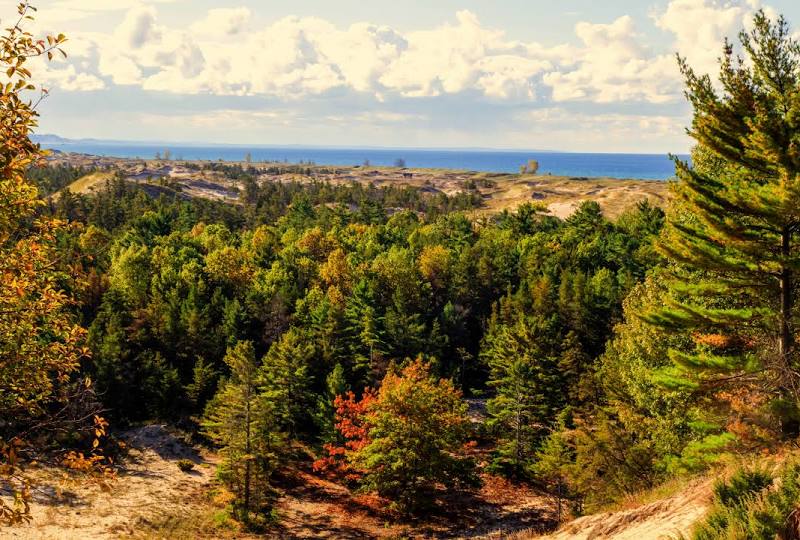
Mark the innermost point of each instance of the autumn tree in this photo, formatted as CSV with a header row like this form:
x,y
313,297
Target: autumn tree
x,y
417,430
736,220
40,343
352,434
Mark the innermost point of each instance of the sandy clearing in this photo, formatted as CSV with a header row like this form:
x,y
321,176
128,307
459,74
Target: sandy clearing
x,y
499,191
149,487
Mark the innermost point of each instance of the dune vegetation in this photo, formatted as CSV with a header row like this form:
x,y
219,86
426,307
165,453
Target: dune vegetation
x,y
238,350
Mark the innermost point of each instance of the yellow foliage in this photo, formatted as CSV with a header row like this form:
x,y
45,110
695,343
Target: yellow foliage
x,y
336,271
229,265
434,264
40,345
316,244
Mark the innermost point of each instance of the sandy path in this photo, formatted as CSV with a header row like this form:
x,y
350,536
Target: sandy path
x,y
150,486
151,490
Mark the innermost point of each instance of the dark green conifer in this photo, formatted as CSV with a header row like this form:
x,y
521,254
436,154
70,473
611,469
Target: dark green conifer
x,y
736,217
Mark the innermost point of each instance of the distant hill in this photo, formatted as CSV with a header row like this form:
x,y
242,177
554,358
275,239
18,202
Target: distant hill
x,y
49,138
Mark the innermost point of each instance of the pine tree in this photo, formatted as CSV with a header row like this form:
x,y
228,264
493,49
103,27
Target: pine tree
x,y
241,419
364,328
284,381
527,383
325,416
737,218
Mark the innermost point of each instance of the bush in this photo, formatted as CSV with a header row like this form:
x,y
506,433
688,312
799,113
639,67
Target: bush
x,y
405,440
186,465
751,505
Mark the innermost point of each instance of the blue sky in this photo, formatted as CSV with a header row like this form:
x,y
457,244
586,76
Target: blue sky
x,y
583,76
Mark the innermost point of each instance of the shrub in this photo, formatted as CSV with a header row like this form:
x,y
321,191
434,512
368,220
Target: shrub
x,y
751,505
185,465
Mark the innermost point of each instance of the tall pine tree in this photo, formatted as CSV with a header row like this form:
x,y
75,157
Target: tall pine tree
x,y
736,219
528,387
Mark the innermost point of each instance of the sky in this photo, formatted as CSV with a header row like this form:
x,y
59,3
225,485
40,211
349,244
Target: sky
x,y
575,75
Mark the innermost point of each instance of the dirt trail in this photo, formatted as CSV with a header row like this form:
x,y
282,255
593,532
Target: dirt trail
x,y
149,487
663,519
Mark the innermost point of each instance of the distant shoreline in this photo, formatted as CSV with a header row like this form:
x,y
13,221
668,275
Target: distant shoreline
x,y
578,165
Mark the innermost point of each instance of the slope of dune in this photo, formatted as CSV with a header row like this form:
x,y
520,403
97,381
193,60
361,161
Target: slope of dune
x,y
667,518
86,184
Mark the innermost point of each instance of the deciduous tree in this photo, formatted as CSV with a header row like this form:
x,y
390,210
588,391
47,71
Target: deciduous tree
x,y
40,343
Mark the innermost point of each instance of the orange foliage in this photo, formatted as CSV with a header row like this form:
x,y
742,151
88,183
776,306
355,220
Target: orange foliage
x,y
351,416
721,341
748,418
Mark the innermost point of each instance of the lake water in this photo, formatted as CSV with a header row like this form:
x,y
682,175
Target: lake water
x,y
644,166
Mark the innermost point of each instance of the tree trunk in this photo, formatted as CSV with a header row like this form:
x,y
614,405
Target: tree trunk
x,y
786,341
247,460
789,423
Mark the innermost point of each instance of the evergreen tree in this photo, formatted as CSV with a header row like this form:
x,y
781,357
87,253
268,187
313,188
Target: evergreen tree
x,y
241,419
284,381
325,416
736,219
527,382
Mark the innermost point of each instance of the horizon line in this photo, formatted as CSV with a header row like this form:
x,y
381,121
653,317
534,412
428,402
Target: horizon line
x,y
85,140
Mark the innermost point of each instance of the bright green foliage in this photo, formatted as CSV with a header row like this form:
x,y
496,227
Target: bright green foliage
x,y
331,291
554,462
325,415
417,431
241,420
752,506
736,221
187,279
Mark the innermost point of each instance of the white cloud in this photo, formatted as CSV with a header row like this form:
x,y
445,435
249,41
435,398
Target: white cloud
x,y
95,5
699,27
615,65
223,53
138,28
222,23
66,78
557,119
466,56
121,69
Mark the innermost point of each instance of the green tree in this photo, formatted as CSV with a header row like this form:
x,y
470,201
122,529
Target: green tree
x,y
736,220
325,415
241,420
284,380
527,382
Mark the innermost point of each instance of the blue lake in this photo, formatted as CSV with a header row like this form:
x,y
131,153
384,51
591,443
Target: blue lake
x,y
644,166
